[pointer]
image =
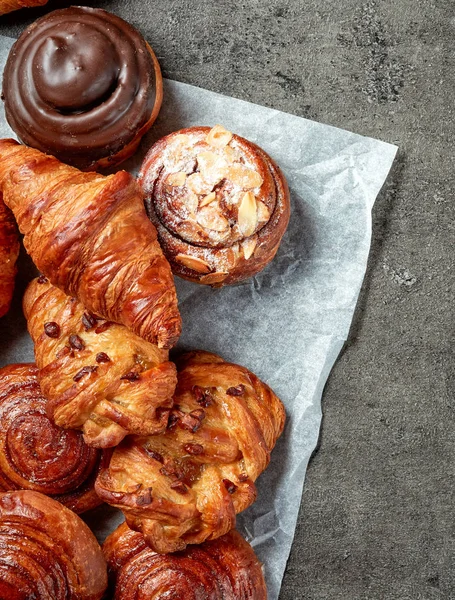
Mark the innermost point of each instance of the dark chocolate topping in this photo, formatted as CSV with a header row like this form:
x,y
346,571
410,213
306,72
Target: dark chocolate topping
x,y
79,84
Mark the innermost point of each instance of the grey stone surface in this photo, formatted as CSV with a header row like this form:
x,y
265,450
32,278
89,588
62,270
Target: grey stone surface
x,y
376,520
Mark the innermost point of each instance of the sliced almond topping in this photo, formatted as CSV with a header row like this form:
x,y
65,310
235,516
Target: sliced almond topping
x,y
263,212
229,154
193,262
197,184
218,137
212,167
191,201
207,199
249,246
176,179
244,177
247,216
210,217
217,277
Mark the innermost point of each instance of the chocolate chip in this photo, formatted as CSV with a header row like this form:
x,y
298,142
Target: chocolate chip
x,y
42,279
131,376
76,342
203,397
102,357
242,477
52,329
236,391
194,449
84,371
145,497
192,421
231,487
103,327
88,321
155,455
179,487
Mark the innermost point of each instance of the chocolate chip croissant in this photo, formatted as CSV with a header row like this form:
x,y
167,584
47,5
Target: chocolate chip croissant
x,y
9,251
47,552
97,376
223,569
7,6
90,236
187,485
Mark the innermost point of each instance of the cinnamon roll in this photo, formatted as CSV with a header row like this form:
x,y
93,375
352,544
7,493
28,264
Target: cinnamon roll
x,y
37,455
224,569
83,85
47,552
219,202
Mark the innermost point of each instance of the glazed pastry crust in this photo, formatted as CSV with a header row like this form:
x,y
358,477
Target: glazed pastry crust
x,y
186,485
219,202
223,569
37,455
7,6
47,551
90,236
97,376
9,251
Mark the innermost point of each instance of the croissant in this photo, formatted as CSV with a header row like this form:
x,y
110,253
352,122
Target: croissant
x,y
90,235
223,569
97,376
46,551
186,485
7,6
218,201
9,251
37,455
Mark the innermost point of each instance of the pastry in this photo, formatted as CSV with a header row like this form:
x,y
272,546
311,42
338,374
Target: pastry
x,y
9,251
7,6
97,376
224,569
83,85
90,236
37,455
46,551
186,485
219,202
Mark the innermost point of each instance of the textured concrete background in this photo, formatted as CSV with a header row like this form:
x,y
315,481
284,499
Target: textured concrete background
x,y
377,514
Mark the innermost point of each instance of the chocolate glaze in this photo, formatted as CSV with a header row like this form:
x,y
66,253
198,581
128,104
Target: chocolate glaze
x,y
79,84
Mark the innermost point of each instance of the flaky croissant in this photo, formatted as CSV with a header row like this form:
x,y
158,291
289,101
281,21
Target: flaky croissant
x,y
9,251
187,485
90,235
47,552
223,569
97,376
7,6
37,455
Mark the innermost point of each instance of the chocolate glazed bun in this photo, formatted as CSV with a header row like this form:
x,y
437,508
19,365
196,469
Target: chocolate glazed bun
x,y
83,85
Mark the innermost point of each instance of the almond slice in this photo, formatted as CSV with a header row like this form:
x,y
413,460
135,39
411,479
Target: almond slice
x,y
191,201
197,184
176,179
212,167
210,217
263,212
218,137
193,262
247,215
207,199
212,278
244,177
249,246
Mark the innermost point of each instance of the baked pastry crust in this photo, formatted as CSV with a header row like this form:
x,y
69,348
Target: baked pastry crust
x,y
97,376
90,236
47,551
186,486
7,6
37,455
223,569
9,251
82,84
219,202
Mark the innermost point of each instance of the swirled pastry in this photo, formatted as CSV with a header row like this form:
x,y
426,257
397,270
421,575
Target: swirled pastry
x,y
7,6
97,376
37,455
186,486
9,251
90,236
83,85
224,569
219,202
46,551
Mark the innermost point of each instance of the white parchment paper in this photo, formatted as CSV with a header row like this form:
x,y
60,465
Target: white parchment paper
x,y
287,324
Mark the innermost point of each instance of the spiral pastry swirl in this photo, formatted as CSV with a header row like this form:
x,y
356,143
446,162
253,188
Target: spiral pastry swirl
x,y
37,455
224,569
83,85
47,551
219,202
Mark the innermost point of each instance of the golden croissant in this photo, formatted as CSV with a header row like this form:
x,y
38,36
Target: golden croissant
x,y
96,375
7,6
90,235
187,485
9,251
